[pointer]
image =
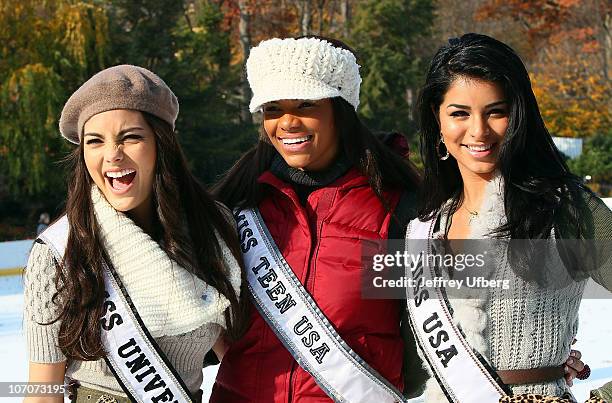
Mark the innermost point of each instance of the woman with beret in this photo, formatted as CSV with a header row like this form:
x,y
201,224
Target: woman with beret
x,y
127,292
493,173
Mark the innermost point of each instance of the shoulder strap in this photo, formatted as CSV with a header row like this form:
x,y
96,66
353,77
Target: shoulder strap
x,y
456,366
139,365
413,372
56,237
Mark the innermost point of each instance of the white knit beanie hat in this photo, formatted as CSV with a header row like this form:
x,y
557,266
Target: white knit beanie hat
x,y
305,68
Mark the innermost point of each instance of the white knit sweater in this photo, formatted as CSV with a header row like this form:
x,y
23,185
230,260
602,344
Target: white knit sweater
x,y
157,287
524,327
184,302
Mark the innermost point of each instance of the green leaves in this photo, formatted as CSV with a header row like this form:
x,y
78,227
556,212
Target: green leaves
x,y
595,160
49,49
388,33
28,104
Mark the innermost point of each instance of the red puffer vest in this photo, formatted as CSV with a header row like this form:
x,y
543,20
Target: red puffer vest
x,y
321,241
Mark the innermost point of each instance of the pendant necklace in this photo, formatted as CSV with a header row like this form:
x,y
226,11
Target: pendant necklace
x,y
473,214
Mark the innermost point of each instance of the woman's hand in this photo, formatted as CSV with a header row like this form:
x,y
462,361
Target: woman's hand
x,y
51,373
572,366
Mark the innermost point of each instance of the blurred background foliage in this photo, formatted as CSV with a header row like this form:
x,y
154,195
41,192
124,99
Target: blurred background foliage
x,y
49,47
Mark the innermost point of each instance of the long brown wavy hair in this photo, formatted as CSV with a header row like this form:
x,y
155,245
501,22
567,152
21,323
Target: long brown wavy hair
x,y
187,221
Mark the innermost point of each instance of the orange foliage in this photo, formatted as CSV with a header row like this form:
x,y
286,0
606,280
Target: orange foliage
x,y
266,18
553,21
541,18
574,102
567,38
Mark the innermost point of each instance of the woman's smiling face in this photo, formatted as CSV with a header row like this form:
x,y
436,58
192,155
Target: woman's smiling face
x,y
473,120
303,132
120,152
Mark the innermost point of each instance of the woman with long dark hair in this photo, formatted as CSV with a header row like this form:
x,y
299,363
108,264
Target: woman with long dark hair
x,y
493,172
128,291
316,185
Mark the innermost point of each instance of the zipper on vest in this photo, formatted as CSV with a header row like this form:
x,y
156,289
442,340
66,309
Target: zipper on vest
x,y
308,285
325,204
312,260
315,241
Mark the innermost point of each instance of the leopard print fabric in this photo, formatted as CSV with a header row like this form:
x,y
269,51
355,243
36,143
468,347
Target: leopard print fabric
x,y
532,398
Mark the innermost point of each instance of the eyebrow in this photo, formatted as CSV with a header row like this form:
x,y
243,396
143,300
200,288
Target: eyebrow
x,y
486,106
295,101
121,133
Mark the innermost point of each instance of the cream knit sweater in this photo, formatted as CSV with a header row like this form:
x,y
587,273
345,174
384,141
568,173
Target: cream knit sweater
x,y
185,351
523,327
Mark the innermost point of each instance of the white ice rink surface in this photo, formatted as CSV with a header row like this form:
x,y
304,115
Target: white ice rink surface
x,y
594,337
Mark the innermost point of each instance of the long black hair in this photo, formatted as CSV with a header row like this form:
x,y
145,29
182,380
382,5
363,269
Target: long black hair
x,y
382,166
538,186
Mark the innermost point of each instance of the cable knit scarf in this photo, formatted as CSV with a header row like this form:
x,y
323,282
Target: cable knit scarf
x,y
169,299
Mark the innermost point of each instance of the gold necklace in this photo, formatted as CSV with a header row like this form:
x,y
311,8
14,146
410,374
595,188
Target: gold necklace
x,y
473,214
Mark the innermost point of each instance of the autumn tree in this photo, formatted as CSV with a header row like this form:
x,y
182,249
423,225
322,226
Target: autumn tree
x,y
570,47
47,50
574,100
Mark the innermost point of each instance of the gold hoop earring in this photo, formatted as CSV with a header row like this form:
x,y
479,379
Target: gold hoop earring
x,y
445,156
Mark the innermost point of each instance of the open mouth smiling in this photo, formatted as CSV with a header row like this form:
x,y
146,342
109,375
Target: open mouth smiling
x,y
120,180
480,150
295,140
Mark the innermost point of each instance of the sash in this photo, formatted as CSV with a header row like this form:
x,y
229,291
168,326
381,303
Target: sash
x,y
460,371
300,325
141,368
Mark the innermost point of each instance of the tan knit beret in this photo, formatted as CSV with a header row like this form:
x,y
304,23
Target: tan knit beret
x,y
118,87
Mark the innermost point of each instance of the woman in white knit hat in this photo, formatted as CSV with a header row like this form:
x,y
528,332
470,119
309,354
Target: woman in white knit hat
x,y
127,292
315,187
